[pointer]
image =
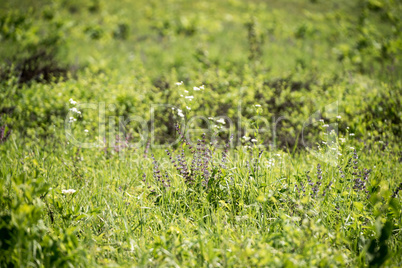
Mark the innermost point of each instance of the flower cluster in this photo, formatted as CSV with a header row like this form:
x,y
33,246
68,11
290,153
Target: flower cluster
x,y
73,110
318,182
69,191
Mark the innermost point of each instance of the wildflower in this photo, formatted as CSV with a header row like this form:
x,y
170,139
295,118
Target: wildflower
x,y
181,95
326,125
188,108
74,110
179,83
196,88
186,91
86,130
324,142
202,87
189,97
321,120
333,149
210,118
222,121
253,140
338,116
69,191
351,134
352,148
257,105
72,101
246,138
181,114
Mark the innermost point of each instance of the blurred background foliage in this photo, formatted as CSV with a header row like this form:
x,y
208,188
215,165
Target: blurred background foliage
x,y
291,57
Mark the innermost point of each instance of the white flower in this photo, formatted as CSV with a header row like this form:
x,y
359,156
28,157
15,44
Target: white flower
x,y
333,149
222,121
179,83
202,87
339,117
326,125
246,138
253,140
324,142
74,110
257,105
185,91
181,95
321,120
339,153
189,97
342,140
188,108
69,191
172,108
72,101
86,131
196,88
352,148
210,118
180,113
351,134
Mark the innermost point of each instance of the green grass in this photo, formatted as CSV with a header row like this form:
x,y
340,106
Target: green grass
x,y
259,204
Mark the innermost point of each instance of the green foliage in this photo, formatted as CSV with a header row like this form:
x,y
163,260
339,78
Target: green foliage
x,y
25,238
272,67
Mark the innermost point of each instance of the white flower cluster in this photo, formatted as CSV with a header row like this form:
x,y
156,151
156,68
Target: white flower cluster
x,y
245,138
271,163
187,97
73,110
199,88
180,113
221,121
69,191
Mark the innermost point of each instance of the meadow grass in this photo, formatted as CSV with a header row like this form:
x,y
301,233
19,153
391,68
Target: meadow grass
x,y
294,159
